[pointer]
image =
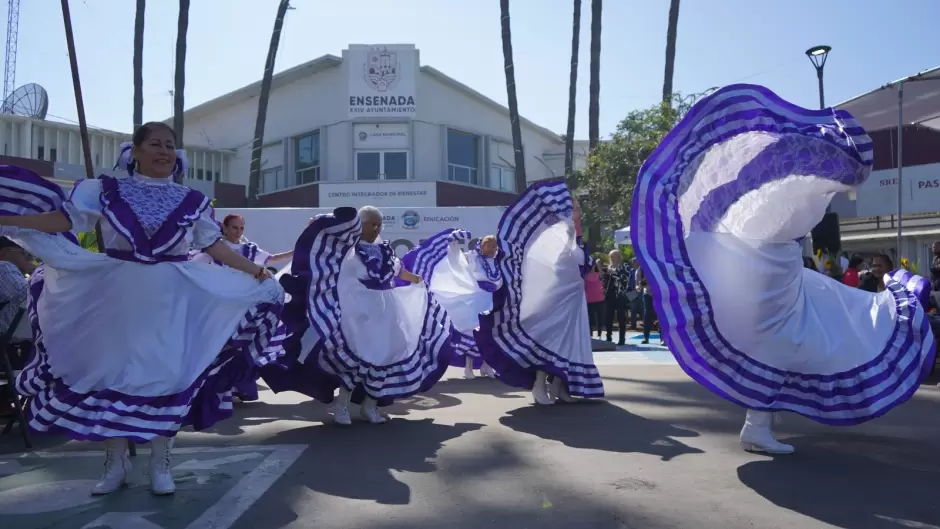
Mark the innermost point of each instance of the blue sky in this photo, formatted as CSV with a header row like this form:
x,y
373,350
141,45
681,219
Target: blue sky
x,y
720,42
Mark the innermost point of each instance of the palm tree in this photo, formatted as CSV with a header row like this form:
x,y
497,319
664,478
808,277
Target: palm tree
x,y
179,85
254,175
594,110
572,88
511,93
670,50
139,64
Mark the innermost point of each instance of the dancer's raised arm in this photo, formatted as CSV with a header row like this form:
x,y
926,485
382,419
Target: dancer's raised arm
x,y
50,222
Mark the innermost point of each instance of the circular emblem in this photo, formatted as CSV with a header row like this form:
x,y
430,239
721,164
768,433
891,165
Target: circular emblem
x,y
410,219
363,136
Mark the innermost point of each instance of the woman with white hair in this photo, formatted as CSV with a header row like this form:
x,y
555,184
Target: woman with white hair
x,y
539,323
351,327
463,284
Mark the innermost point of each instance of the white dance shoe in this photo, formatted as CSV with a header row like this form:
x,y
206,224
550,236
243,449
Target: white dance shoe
x,y
558,390
341,408
161,478
487,371
540,389
370,411
117,466
468,369
758,435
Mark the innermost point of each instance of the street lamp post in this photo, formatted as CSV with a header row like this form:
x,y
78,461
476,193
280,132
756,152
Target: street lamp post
x,y
817,55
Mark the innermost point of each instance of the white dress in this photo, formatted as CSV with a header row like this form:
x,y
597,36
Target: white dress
x,y
461,282
718,213
128,342
350,325
539,320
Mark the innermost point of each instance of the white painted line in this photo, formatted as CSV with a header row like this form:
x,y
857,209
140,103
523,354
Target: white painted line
x,y
212,464
249,489
124,520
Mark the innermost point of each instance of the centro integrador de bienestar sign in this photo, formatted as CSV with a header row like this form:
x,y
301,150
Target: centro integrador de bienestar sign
x,y
382,80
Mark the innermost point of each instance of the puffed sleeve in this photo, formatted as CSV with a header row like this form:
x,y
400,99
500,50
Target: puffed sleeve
x,y
261,257
206,231
83,208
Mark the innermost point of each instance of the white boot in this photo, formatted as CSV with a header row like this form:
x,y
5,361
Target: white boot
x,y
559,390
117,466
540,389
370,411
161,479
341,408
758,435
487,371
468,368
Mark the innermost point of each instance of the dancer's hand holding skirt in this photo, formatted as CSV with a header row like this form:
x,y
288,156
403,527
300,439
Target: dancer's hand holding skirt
x,y
350,326
718,213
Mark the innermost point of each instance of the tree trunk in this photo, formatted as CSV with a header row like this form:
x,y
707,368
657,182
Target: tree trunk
x,y
179,85
572,88
594,111
511,93
139,64
254,175
670,50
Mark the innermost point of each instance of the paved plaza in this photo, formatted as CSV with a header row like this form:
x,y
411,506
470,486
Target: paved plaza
x,y
660,452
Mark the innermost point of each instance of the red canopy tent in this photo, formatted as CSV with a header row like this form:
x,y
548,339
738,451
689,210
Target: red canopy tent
x,y
914,100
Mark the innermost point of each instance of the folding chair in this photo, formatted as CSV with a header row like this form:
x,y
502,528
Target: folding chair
x,y
19,403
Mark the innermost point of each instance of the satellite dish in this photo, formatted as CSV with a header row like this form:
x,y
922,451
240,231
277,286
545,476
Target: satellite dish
x,y
29,100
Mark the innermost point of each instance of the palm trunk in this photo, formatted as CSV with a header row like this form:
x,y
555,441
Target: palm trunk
x,y
511,93
594,111
254,175
139,64
670,50
179,86
80,106
572,88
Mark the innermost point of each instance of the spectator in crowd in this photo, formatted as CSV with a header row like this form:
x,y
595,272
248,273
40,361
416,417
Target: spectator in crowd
x,y
616,282
594,291
634,301
649,311
15,263
935,265
881,264
850,277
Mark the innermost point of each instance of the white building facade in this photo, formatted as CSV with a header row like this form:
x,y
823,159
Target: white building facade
x,y
373,127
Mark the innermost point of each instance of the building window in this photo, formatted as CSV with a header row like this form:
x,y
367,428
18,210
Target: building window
x,y
502,178
307,162
39,152
463,155
273,179
52,155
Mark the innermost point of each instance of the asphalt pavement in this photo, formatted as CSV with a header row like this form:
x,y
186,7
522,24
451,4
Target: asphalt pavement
x,y
658,452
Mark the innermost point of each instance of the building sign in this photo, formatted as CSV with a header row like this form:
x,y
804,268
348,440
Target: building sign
x,y
382,80
379,194
370,136
920,191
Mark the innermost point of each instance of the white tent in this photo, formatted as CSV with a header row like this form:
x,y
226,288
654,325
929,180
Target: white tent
x,y
622,237
914,100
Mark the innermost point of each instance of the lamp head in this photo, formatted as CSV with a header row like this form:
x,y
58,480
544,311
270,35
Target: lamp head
x,y
817,55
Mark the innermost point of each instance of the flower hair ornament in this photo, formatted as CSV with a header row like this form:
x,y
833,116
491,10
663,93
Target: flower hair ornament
x,y
126,161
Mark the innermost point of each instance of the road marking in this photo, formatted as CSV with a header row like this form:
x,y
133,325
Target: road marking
x,y
57,496
124,520
40,498
212,464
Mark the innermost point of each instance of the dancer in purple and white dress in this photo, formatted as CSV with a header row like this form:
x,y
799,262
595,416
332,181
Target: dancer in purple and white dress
x,y
719,211
233,232
463,284
539,323
350,328
127,343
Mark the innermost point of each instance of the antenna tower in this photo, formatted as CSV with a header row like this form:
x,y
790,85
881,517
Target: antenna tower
x,y
9,66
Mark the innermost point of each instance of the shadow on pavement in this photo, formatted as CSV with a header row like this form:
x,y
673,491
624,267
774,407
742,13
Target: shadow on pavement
x,y
359,461
600,426
478,386
853,481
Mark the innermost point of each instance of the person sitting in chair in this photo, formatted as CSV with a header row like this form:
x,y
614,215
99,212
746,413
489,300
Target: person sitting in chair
x,y
15,264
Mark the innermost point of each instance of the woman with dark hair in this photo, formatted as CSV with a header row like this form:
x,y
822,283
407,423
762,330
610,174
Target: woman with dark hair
x,y
137,342
233,236
850,277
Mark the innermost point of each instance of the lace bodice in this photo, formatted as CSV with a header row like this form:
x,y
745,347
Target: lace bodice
x,y
143,219
377,265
